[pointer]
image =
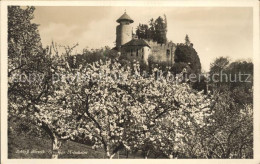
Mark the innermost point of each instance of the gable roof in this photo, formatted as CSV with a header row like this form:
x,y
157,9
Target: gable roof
x,y
125,17
136,42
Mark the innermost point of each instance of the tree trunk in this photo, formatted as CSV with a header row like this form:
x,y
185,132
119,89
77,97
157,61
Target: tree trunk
x,y
146,154
108,153
56,144
110,156
126,153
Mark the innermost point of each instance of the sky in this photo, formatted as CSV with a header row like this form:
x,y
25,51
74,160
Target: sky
x,y
214,31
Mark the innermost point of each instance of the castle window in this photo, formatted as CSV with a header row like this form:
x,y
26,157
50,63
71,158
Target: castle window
x,y
131,52
136,52
142,56
142,49
168,53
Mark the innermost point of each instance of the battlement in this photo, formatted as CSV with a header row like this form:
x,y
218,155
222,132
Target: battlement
x,y
162,52
161,46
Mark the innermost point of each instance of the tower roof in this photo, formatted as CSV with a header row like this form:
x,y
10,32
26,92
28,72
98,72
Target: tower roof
x,y
125,17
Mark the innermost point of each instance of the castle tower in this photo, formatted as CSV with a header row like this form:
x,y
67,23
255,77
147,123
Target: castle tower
x,y
123,30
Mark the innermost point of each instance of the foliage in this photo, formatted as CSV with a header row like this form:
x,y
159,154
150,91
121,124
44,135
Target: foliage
x,y
187,40
161,65
188,54
178,68
219,64
231,134
27,64
94,55
30,88
235,76
156,30
118,108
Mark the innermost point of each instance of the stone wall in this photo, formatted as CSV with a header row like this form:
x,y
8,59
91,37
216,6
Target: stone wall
x,y
138,53
159,51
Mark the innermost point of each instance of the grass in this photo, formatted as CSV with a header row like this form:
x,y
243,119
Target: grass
x,y
27,147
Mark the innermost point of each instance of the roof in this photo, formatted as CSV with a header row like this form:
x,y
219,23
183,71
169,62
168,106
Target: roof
x,y
125,17
136,42
115,48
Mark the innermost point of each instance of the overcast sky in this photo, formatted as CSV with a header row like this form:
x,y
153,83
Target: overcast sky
x,y
214,31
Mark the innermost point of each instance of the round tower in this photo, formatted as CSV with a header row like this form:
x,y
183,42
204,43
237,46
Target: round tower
x,y
123,30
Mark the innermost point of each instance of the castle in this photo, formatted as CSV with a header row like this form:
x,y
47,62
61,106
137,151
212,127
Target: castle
x,y
139,49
